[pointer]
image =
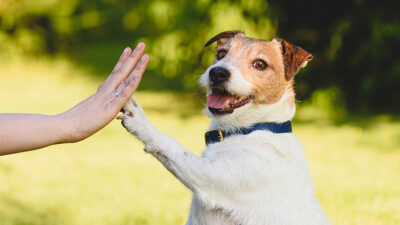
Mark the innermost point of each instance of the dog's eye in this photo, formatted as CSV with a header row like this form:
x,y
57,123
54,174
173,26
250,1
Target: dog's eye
x,y
260,64
221,54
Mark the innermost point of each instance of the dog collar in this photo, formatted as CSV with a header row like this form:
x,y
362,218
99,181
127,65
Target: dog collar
x,y
214,136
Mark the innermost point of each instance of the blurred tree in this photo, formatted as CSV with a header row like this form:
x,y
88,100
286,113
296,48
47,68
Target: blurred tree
x,y
354,42
93,33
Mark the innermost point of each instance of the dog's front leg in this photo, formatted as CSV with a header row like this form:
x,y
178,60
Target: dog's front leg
x,y
200,174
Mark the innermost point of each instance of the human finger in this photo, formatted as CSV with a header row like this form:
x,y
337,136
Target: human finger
x,y
130,84
127,66
127,51
125,54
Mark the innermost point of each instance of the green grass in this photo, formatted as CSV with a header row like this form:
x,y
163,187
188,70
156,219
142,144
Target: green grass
x,y
108,179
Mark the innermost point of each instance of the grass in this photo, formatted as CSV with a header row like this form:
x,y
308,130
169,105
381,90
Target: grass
x,y
108,179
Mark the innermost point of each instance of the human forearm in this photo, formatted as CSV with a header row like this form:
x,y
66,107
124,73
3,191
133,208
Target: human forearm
x,y
23,132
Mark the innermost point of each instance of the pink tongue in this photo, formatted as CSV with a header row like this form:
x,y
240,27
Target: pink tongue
x,y
219,101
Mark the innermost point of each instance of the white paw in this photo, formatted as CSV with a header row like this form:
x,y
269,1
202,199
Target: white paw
x,y
133,117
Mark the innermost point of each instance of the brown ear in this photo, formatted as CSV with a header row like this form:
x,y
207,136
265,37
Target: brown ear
x,y
224,35
294,58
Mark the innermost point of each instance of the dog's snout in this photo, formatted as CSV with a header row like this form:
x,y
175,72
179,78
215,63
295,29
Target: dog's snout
x,y
219,75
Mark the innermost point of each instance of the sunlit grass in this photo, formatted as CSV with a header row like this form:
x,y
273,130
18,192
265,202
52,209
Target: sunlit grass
x,y
108,179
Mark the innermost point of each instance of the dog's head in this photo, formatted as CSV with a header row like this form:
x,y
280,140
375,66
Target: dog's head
x,y
248,73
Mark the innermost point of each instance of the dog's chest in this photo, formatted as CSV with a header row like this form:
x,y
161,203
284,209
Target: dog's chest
x,y
260,177
200,215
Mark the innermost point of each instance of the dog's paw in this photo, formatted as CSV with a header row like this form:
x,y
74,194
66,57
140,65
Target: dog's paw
x,y
133,117
136,122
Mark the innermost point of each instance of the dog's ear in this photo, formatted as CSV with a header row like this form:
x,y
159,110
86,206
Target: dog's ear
x,y
294,58
222,37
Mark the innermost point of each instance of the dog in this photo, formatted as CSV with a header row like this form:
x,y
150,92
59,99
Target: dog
x,y
253,170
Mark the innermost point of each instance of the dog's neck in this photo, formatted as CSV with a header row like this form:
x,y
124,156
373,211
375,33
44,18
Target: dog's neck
x,y
278,112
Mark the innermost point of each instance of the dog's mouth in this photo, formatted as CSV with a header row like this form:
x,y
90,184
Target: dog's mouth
x,y
221,101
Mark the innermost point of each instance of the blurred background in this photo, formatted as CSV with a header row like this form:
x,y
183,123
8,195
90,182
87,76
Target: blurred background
x,y
54,53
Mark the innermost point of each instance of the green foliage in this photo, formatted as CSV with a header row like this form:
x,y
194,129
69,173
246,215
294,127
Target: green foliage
x,y
93,33
324,104
354,42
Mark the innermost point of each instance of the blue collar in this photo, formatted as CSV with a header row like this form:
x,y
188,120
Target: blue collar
x,y
218,135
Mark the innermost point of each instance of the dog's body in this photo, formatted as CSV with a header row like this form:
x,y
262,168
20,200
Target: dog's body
x,y
256,179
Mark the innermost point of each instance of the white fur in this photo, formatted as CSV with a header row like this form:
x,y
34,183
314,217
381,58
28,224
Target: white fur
x,y
236,85
256,179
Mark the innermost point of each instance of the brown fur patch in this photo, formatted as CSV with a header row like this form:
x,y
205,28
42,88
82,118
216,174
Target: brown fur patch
x,y
270,84
294,58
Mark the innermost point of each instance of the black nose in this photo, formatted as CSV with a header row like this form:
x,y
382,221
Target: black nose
x,y
218,75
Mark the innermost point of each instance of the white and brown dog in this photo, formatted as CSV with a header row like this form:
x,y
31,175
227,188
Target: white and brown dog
x,y
253,170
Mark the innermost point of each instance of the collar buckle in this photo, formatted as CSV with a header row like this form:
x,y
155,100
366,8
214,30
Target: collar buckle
x,y
214,136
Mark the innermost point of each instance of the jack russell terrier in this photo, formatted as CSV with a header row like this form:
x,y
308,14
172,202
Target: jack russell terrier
x,y
253,170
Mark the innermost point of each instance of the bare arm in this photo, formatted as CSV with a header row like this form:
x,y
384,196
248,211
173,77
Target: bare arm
x,y
23,132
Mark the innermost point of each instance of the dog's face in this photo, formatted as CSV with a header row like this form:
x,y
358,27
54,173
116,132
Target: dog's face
x,y
248,72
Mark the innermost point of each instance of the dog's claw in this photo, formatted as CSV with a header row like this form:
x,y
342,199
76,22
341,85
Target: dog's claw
x,y
129,113
120,117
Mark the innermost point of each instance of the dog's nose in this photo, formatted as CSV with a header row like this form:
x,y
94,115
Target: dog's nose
x,y
218,75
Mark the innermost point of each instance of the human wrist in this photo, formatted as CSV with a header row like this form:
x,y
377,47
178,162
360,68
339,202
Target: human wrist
x,y
66,131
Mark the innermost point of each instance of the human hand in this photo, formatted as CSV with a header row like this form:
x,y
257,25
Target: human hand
x,y
98,110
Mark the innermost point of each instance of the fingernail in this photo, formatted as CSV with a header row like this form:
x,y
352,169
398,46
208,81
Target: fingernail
x,y
143,59
126,50
140,45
